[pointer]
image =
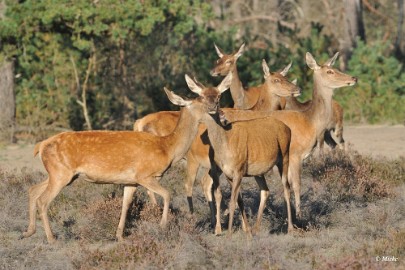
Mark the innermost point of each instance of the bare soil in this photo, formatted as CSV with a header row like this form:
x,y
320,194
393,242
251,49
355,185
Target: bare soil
x,y
377,140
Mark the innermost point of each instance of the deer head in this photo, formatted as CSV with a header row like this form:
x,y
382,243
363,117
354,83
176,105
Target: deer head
x,y
208,100
278,84
226,62
327,76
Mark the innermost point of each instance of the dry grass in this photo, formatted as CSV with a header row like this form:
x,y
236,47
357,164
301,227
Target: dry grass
x,y
353,210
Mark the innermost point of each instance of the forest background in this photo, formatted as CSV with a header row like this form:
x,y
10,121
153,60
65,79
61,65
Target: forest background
x,y
102,64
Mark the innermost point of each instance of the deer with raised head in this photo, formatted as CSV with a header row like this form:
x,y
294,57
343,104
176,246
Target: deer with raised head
x,y
335,122
117,157
306,126
248,148
256,98
275,84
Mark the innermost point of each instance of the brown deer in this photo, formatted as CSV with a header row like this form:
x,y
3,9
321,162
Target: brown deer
x,y
275,85
335,122
306,126
252,98
117,157
248,148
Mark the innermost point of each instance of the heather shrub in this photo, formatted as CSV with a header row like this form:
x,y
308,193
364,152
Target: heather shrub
x,y
350,176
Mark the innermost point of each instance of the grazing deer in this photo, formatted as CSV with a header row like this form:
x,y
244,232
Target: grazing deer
x,y
248,148
306,126
117,157
275,85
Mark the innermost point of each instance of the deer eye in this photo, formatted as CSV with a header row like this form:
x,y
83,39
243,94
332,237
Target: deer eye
x,y
329,72
276,81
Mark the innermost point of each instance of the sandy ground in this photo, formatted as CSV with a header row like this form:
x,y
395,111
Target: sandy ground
x,y
387,141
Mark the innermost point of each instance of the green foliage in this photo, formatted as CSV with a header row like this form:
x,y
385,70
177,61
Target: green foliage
x,y
140,46
379,96
137,45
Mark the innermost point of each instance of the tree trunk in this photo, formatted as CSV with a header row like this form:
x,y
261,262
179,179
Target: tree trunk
x,y
7,101
354,28
398,41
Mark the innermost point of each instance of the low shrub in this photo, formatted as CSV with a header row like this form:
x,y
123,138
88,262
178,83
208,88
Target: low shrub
x,y
350,176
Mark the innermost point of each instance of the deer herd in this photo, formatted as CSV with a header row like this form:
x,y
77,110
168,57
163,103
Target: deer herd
x,y
267,127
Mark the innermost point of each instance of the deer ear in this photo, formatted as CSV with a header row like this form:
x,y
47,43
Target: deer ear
x,y
226,83
332,61
240,51
266,69
219,51
175,99
286,69
311,62
193,85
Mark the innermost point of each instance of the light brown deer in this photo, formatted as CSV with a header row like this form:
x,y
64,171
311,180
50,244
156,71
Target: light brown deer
x,y
163,123
248,148
335,122
253,98
117,157
306,126
275,85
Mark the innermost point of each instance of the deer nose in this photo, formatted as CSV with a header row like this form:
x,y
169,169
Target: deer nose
x,y
213,73
354,79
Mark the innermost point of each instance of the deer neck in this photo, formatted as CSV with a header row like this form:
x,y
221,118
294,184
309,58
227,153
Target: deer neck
x,y
216,134
180,140
293,104
237,91
320,110
267,101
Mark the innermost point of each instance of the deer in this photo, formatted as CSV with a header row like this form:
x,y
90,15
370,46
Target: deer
x,y
250,98
306,126
275,84
335,122
247,148
117,157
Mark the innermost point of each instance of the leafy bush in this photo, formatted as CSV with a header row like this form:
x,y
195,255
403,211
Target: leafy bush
x,y
379,96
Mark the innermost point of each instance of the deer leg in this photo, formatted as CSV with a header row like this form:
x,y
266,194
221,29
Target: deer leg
x,y
235,197
218,198
56,182
207,185
126,202
192,169
283,169
152,197
264,194
33,194
329,140
153,185
294,179
339,136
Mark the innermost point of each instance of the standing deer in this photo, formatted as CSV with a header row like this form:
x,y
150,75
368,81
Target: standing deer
x,y
252,98
275,85
306,126
248,148
117,157
335,122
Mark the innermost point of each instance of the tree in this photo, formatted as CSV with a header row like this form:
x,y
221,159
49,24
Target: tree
x,y
353,21
398,50
7,96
